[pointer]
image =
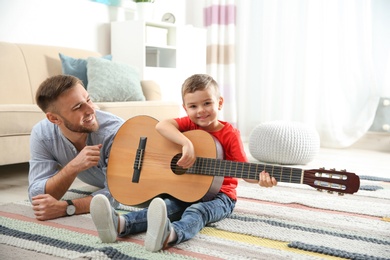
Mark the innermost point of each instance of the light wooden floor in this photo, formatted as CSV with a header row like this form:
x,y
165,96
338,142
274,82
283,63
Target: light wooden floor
x,y
370,156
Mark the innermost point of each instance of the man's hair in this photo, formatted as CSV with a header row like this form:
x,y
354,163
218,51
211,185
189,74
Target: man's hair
x,y
199,82
53,87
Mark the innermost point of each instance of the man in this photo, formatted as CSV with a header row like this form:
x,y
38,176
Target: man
x,y
74,141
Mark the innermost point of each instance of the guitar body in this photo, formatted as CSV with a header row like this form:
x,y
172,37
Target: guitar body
x,y
156,177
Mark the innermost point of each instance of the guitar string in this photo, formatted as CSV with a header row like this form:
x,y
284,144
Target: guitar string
x,y
245,167
279,172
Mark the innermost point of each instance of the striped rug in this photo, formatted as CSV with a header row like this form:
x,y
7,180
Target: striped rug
x,y
285,222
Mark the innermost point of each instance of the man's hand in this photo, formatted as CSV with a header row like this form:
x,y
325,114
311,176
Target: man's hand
x,y
88,157
266,181
58,184
47,207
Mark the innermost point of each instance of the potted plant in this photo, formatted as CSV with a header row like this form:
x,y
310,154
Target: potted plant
x,y
145,9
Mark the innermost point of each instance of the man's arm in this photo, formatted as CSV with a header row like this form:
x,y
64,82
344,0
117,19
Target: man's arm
x,y
59,184
47,184
46,207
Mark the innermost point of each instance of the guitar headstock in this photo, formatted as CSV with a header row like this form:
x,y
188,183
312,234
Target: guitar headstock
x,y
331,180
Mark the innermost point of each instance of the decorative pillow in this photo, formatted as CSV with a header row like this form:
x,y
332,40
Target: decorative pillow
x,y
112,81
77,67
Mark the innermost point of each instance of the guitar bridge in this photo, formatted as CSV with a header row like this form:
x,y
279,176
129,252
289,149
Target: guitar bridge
x,y
138,160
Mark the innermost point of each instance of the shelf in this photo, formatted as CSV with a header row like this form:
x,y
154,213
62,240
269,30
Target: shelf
x,y
160,24
163,52
151,46
160,57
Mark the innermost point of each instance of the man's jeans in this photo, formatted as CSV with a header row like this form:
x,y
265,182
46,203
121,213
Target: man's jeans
x,y
187,218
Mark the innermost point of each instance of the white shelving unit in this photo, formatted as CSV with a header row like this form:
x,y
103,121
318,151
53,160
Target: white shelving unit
x,y
163,52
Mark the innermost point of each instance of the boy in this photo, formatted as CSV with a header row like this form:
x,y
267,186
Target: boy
x,y
171,221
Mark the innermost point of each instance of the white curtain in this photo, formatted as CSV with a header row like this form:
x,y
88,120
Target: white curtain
x,y
220,20
307,61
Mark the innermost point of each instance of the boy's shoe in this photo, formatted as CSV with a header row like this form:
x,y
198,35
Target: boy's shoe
x,y
159,226
105,218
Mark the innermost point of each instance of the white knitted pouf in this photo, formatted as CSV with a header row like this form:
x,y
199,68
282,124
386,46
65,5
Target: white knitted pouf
x,y
283,142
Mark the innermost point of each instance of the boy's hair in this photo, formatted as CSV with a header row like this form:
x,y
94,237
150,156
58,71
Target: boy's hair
x,y
53,87
199,82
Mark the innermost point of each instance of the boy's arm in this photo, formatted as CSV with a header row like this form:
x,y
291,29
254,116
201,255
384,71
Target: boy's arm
x,y
170,130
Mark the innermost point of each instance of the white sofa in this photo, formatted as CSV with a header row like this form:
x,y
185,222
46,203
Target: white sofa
x,y
23,67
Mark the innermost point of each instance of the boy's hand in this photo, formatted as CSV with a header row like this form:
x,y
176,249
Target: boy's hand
x,y
266,181
188,157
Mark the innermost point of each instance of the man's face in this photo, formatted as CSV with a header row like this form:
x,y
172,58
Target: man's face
x,y
76,111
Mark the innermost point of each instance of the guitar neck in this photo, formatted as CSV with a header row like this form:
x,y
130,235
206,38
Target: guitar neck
x,y
217,167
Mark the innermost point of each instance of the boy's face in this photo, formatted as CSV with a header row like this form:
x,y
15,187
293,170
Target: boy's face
x,y
202,108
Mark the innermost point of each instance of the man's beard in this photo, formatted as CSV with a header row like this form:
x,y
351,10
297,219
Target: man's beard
x,y
80,128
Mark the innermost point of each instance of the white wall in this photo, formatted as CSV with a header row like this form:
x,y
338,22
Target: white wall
x,y
80,24
72,23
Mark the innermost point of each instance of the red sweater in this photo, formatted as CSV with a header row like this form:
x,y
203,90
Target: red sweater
x,y
233,149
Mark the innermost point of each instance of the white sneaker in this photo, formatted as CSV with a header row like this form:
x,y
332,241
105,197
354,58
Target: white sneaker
x,y
105,218
159,226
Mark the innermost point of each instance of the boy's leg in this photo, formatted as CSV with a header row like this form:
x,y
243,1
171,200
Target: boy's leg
x,y
108,222
160,214
198,215
194,218
105,218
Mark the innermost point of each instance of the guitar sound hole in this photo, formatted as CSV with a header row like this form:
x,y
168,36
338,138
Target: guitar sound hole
x,y
176,168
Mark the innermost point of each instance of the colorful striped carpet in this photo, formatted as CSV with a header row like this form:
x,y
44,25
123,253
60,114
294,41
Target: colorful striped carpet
x,y
285,222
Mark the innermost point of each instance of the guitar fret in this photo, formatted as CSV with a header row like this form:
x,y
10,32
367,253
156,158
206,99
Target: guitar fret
x,y
285,177
256,173
235,168
221,167
246,170
239,168
228,168
270,170
298,175
208,166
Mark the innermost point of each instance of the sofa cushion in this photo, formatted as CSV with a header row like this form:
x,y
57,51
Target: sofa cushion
x,y
19,119
77,67
14,80
151,90
110,81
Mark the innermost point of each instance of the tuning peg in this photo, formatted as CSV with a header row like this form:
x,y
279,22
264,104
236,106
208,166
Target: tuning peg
x,y
320,190
333,169
345,170
330,191
341,194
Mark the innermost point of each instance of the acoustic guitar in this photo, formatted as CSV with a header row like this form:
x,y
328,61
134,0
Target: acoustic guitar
x,y
143,165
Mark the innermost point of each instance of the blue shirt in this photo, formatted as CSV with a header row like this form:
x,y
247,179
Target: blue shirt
x,y
51,151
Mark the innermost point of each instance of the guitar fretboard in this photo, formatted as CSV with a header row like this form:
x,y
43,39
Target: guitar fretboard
x,y
217,167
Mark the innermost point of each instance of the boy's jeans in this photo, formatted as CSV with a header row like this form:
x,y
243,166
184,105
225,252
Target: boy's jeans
x,y
187,219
